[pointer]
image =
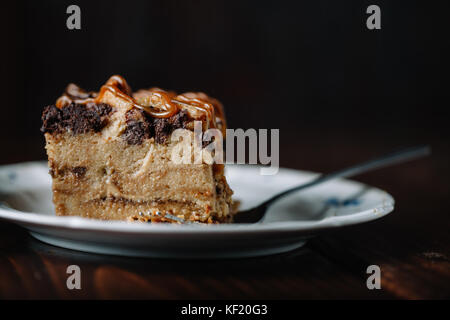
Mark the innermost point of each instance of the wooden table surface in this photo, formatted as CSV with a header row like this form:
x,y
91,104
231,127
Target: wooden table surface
x,y
411,246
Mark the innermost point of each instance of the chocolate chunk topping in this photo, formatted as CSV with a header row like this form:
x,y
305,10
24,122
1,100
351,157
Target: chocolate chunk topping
x,y
77,118
51,119
102,109
162,129
140,126
136,132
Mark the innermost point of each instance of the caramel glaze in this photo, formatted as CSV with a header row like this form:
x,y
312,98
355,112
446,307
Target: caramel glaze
x,y
156,102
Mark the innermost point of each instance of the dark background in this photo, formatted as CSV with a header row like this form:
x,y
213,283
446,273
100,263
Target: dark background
x,y
310,68
338,92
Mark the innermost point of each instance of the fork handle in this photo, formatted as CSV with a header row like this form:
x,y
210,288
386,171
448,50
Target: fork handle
x,y
386,160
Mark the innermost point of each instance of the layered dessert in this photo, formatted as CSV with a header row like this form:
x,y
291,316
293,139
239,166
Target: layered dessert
x,y
110,155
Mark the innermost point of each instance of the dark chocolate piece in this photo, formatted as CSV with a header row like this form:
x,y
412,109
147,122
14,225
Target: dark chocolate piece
x,y
75,117
136,132
79,172
141,126
54,171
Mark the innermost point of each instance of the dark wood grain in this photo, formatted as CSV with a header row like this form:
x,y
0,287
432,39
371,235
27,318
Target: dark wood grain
x,y
411,246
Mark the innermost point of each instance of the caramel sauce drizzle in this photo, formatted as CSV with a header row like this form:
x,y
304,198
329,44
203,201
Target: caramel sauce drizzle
x,y
161,104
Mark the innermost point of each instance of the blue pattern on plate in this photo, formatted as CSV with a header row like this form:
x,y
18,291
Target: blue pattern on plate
x,y
12,176
335,202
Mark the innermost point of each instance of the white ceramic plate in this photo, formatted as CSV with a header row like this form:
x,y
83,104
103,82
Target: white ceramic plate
x,y
25,194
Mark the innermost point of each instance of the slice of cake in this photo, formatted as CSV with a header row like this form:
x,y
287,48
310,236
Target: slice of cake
x,y
110,155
